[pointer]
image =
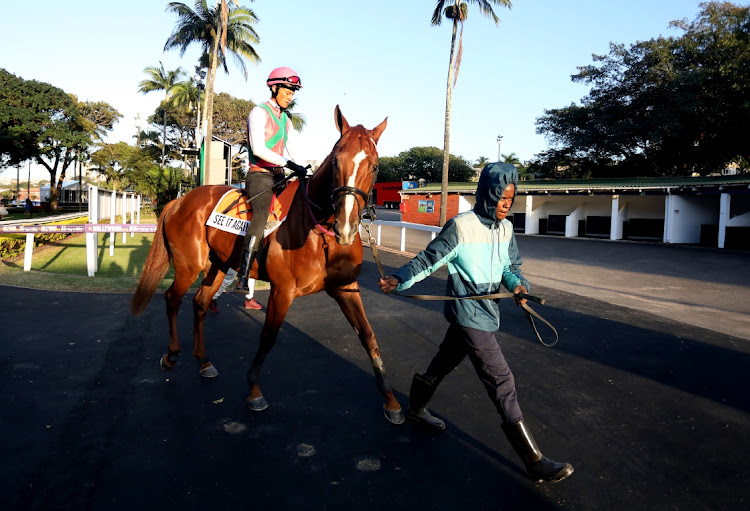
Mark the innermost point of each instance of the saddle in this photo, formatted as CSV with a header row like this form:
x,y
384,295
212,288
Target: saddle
x,y
233,213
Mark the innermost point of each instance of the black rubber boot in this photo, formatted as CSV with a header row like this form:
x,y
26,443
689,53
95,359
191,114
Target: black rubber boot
x,y
420,394
539,468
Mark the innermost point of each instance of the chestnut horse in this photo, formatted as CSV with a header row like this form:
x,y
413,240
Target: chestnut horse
x,y
317,248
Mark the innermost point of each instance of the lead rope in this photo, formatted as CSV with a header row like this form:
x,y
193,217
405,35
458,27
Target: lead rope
x,y
530,313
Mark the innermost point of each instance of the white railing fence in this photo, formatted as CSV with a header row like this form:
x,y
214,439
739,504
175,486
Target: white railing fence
x,y
106,204
103,204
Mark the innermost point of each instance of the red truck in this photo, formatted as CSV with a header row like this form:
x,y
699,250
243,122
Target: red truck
x,y
386,194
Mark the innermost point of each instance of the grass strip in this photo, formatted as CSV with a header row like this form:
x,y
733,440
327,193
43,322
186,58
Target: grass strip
x,y
61,266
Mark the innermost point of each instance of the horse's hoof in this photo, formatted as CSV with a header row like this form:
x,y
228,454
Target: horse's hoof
x,y
209,372
394,416
164,365
257,404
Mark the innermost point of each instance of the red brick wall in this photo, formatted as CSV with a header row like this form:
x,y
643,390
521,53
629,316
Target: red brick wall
x,y
411,208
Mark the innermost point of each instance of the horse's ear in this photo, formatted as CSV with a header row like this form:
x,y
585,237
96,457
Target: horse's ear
x,y
378,130
340,120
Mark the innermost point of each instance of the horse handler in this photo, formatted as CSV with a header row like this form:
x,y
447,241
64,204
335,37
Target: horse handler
x,y
480,250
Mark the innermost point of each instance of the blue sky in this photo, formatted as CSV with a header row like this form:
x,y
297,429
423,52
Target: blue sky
x,y
374,59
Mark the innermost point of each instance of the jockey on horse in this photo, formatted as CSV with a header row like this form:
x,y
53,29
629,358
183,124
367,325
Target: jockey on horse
x,y
267,131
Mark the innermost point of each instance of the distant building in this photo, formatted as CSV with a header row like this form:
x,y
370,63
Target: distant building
x,y
710,211
69,192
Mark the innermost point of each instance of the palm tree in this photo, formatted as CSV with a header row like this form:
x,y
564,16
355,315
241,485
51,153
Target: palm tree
x,y
482,161
188,95
161,79
214,28
512,159
457,11
298,120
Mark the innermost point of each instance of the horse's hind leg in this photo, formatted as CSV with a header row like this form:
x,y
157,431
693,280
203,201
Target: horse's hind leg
x,y
350,301
211,283
279,302
173,297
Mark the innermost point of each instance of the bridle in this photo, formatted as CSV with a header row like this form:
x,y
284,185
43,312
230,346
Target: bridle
x,y
340,192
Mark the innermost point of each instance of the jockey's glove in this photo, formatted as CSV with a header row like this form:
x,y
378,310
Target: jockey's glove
x,y
297,170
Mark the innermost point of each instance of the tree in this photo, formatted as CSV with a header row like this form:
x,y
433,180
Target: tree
x,y
43,123
389,169
422,163
666,106
218,28
26,108
482,161
164,185
188,95
161,79
123,165
457,11
512,159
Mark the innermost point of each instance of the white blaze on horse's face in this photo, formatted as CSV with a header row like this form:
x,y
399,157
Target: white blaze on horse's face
x,y
351,209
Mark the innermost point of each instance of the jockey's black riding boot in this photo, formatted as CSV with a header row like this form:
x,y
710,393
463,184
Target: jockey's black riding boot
x,y
248,257
539,468
422,389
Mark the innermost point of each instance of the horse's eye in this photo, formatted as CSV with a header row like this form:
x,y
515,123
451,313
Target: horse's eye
x,y
374,169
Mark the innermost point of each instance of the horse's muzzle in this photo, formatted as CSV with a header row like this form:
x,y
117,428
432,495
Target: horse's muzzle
x,y
347,235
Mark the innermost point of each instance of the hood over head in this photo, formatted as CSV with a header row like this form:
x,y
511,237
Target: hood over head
x,y
494,179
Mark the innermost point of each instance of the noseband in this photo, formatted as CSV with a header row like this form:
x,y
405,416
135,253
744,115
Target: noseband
x,y
336,194
342,191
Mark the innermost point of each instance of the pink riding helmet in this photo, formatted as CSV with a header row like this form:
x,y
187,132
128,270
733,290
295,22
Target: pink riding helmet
x,y
284,76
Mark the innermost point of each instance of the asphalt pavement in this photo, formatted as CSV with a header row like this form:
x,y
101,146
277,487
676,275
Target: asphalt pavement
x,y
651,408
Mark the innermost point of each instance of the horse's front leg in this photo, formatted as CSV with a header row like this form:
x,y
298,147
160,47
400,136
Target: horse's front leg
x,y
211,283
349,299
279,301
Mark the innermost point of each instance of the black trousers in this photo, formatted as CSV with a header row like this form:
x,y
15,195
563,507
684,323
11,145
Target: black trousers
x,y
259,184
489,363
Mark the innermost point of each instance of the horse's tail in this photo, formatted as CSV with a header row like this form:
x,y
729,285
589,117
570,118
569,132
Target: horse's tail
x,y
156,266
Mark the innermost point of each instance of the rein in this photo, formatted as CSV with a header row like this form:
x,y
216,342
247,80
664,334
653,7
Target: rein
x,y
530,313
312,215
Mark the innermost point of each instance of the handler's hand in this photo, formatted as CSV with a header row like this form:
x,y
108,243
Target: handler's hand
x,y
520,288
388,284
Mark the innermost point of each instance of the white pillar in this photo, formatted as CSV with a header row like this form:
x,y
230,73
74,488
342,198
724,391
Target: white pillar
x,y
92,239
112,214
615,225
668,218
133,205
571,222
124,213
28,251
532,224
725,202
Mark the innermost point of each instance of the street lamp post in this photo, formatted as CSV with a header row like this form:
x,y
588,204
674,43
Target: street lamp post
x,y
199,77
499,141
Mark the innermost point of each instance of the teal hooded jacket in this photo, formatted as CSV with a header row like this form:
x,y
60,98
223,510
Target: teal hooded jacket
x,y
480,253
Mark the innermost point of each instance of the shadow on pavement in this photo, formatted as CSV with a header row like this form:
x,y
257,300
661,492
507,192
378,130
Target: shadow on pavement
x,y
652,413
